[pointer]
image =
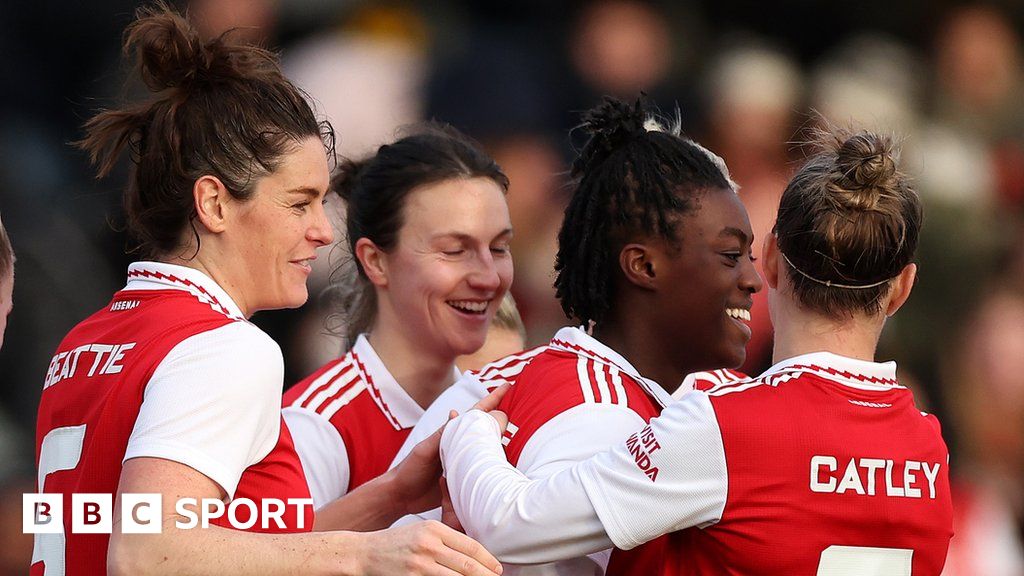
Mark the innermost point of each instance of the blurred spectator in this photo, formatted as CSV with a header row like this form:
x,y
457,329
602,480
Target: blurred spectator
x,y
979,77
984,375
622,47
870,80
253,21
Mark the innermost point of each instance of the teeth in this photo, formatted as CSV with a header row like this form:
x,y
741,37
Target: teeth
x,y
469,305
738,313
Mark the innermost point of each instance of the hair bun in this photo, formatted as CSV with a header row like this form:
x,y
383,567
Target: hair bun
x,y
169,52
865,165
610,124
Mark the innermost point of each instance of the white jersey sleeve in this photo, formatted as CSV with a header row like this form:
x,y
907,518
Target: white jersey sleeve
x,y
684,484
605,499
213,404
568,438
322,452
485,487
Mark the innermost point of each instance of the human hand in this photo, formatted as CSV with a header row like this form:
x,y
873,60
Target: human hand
x,y
427,549
448,515
416,480
491,401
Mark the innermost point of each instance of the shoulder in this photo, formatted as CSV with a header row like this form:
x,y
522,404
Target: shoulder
x,y
556,381
329,389
705,381
234,355
506,370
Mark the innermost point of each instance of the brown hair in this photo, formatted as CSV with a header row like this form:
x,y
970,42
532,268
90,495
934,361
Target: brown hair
x,y
217,108
375,190
848,222
6,254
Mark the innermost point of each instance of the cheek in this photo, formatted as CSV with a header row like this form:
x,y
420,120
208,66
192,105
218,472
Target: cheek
x,y
506,272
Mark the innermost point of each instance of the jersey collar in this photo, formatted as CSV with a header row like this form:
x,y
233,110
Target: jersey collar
x,y
163,276
844,370
389,395
577,341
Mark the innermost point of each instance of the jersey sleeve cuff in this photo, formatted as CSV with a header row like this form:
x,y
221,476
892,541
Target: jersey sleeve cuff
x,y
187,455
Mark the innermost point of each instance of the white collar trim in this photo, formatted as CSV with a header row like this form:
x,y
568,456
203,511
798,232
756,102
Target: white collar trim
x,y
148,275
396,404
842,369
577,341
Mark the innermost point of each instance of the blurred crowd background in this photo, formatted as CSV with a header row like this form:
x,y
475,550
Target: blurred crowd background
x,y
748,79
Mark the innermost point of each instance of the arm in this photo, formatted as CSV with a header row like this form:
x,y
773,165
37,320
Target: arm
x,y
427,548
608,497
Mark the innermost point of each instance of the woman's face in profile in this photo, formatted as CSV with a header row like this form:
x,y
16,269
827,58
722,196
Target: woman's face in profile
x,y
452,264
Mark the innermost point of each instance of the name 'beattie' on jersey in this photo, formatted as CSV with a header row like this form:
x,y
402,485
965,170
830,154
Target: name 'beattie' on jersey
x,y
106,360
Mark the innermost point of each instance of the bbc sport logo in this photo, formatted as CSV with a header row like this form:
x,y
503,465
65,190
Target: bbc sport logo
x,y
143,513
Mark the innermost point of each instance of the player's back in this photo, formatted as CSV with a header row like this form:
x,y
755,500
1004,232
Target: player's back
x,y
93,392
829,472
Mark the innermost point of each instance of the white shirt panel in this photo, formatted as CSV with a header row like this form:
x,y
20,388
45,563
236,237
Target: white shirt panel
x,y
570,437
213,404
460,396
562,523
322,452
691,485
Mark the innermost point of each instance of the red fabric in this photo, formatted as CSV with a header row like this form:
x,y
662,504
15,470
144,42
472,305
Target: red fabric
x,y
549,386
108,404
371,434
774,523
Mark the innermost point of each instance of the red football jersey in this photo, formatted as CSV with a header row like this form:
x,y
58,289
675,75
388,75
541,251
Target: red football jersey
x,y
349,418
823,465
94,392
575,371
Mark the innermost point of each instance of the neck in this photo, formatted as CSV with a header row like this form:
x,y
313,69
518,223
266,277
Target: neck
x,y
799,332
206,264
633,341
421,372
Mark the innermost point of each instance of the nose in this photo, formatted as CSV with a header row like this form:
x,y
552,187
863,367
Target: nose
x,y
750,280
485,274
320,231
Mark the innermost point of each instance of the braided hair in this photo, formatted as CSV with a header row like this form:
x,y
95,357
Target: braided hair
x,y
634,178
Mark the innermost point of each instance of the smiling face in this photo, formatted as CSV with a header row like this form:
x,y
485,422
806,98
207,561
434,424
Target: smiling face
x,y
275,234
711,280
451,265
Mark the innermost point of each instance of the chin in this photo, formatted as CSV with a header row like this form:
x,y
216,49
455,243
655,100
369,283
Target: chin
x,y
465,346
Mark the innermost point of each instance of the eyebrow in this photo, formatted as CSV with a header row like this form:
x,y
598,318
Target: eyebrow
x,y
305,191
740,234
463,236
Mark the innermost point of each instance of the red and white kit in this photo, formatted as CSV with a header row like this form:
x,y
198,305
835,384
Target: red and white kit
x,y
574,399
349,419
168,369
469,389
822,465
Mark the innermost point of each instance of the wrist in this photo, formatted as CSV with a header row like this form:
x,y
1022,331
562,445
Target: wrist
x,y
393,502
349,553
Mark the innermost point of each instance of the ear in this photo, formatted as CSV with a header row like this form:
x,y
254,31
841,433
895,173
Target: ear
x,y
210,197
901,287
770,253
373,260
638,265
